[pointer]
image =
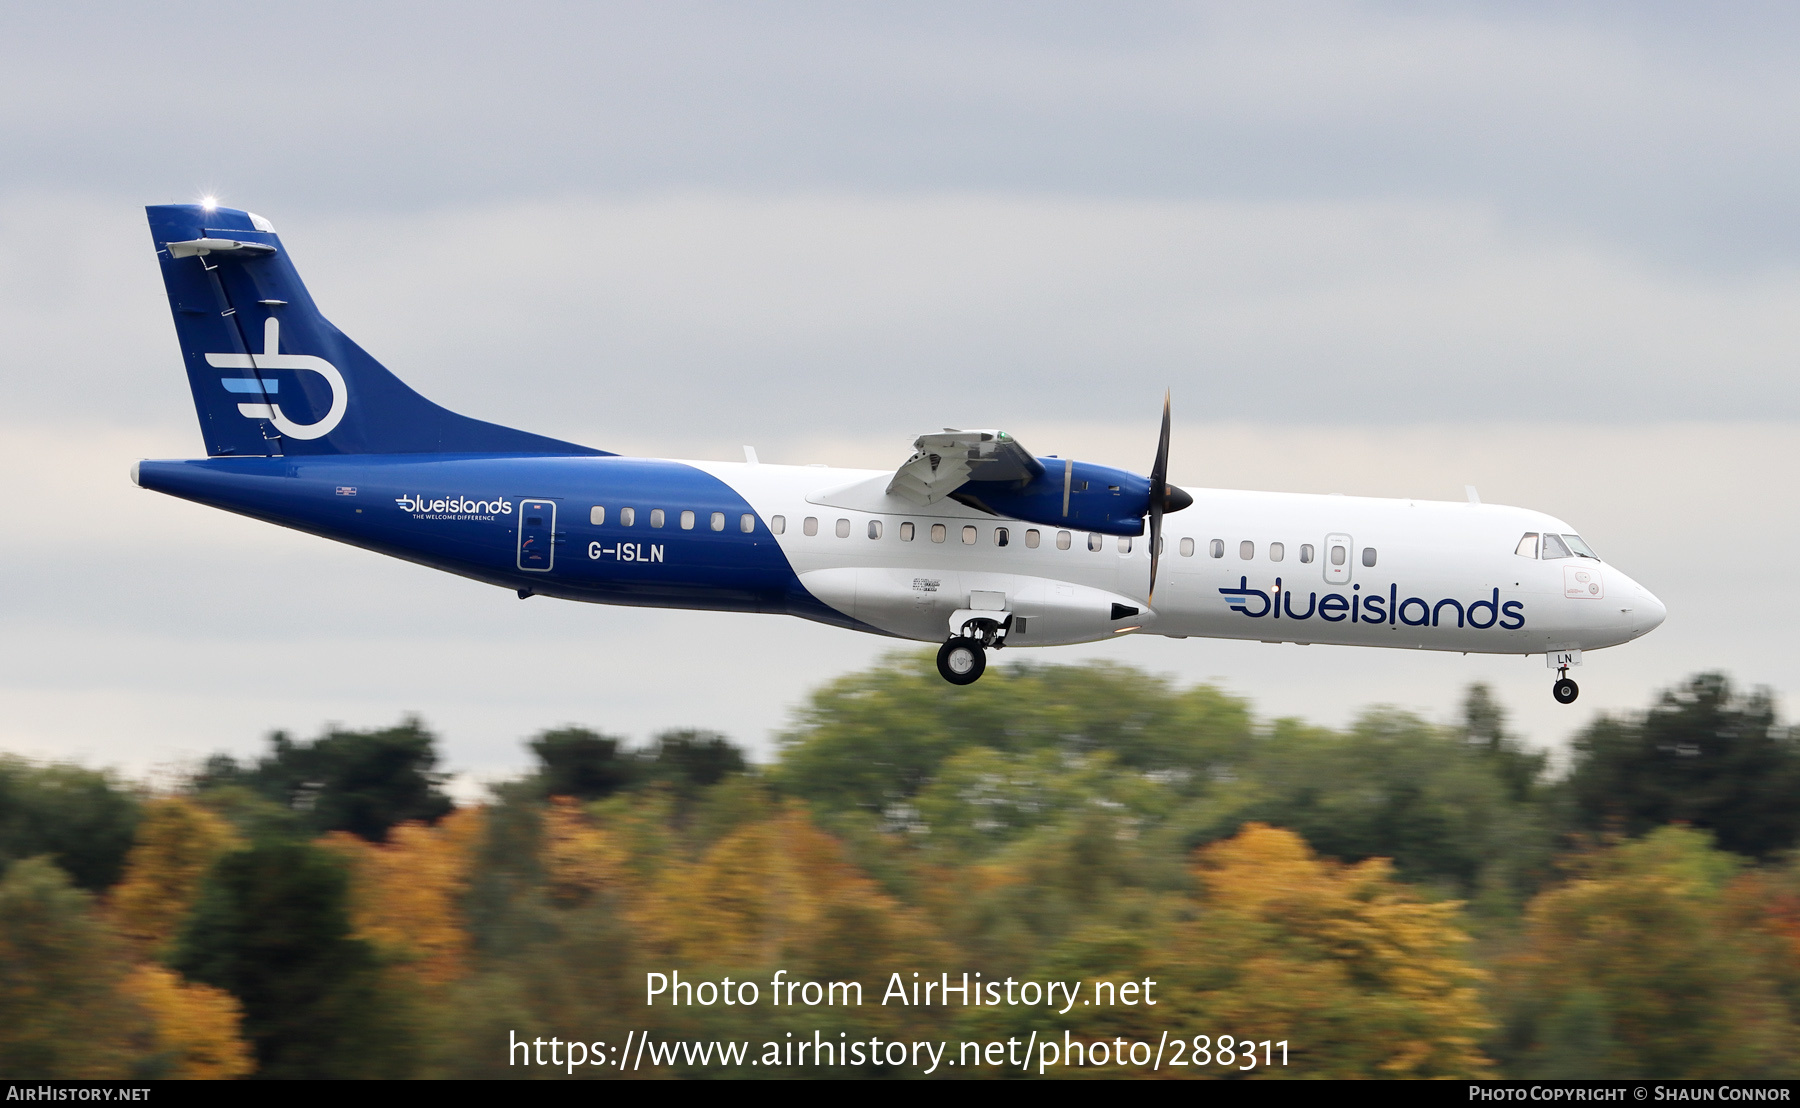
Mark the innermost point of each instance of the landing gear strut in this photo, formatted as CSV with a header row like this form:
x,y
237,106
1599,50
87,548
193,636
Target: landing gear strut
x,y
963,659
1564,690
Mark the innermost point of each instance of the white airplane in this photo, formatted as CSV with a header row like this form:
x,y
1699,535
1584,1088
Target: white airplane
x,y
973,542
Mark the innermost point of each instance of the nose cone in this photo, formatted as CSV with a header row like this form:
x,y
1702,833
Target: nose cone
x,y
1649,613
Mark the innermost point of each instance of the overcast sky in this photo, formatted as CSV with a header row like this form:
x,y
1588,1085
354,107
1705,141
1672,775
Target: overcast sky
x,y
1550,250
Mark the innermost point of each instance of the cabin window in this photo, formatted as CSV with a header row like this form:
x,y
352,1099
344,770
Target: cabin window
x,y
1339,556
1306,553
1246,550
627,517
1124,544
716,521
596,515
1554,548
1216,548
906,531
687,521
656,517
1002,536
1095,542
777,524
1580,548
969,535
1032,538
843,528
810,525
534,521
747,523
1277,551
1369,556
874,528
938,531
1063,540
1527,547
1187,548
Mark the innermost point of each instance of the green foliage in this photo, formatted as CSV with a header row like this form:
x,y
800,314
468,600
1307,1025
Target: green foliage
x,y
577,762
362,782
875,740
271,926
1705,755
1444,810
692,760
83,819
62,1010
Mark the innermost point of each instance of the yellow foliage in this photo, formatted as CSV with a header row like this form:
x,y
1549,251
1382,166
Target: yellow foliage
x,y
196,1026
177,842
774,892
580,857
1352,968
406,894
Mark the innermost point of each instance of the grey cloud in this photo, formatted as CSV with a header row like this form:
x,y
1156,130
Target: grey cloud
x,y
1668,129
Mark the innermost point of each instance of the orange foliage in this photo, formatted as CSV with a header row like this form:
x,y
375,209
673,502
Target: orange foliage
x,y
406,894
196,1026
177,842
1360,975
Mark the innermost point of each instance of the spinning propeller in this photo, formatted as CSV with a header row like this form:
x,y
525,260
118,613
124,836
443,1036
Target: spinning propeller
x,y
1164,497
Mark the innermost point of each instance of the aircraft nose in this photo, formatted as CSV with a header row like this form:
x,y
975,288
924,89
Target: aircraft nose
x,y
1650,612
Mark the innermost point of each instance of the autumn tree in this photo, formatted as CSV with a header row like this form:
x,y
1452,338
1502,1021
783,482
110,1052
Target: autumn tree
x,y
64,1011
196,1028
272,927
406,894
177,842
1640,967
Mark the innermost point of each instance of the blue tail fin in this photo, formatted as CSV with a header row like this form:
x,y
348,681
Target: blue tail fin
x,y
271,375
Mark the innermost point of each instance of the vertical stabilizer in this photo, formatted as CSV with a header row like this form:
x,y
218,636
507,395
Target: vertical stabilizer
x,y
270,375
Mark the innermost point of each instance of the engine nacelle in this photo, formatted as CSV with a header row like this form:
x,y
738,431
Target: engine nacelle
x,y
1081,496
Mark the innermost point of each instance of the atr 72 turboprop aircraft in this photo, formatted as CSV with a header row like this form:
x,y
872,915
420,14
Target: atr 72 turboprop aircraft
x,y
973,542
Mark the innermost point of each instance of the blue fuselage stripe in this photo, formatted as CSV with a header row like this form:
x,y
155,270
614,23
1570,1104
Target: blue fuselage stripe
x,y
462,513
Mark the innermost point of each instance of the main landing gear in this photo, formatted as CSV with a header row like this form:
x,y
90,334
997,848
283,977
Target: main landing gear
x,y
1564,690
963,659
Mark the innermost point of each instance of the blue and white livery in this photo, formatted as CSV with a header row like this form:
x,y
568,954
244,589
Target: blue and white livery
x,y
972,542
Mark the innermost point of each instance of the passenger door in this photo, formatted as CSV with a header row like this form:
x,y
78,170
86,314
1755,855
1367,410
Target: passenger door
x,y
537,535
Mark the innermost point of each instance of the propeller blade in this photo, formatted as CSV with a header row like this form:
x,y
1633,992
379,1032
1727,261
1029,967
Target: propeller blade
x,y
1159,498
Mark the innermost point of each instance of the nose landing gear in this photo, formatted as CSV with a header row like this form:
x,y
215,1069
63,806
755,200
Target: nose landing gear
x,y
1564,690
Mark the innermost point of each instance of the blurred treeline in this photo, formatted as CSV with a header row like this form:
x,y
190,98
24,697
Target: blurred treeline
x,y
1395,899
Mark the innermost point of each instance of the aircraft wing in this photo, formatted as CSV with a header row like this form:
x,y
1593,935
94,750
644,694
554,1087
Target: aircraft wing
x,y
942,463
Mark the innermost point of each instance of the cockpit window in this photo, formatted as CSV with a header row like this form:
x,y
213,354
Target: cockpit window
x,y
1579,547
1528,545
1554,548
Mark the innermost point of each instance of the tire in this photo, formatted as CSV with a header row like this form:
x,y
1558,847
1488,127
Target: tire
x,y
1565,691
961,661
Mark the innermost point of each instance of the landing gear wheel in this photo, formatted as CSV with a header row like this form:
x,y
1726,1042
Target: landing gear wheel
x,y
1565,691
961,661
